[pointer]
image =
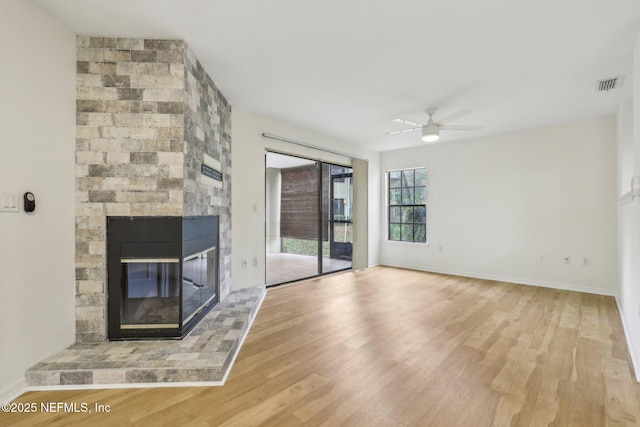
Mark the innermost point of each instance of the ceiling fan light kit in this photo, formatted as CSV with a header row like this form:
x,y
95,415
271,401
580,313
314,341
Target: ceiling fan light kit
x,y
430,133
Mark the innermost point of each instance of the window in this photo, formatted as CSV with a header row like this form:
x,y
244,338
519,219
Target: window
x,y
408,205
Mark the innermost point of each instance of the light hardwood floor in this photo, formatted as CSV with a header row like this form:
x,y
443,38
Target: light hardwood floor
x,y
393,347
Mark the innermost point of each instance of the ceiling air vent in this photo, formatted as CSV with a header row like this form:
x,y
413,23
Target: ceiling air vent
x,y
605,85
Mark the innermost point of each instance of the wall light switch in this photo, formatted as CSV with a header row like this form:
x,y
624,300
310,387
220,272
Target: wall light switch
x,y
9,202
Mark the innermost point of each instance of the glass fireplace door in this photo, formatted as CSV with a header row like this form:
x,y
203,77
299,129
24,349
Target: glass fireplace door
x,y
150,293
198,282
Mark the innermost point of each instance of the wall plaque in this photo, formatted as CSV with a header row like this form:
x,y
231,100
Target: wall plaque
x,y
211,172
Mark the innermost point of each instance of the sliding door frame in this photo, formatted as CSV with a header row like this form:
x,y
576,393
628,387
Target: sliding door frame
x,y
319,218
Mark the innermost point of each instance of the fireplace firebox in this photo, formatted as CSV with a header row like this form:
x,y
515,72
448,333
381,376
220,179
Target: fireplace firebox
x,y
163,275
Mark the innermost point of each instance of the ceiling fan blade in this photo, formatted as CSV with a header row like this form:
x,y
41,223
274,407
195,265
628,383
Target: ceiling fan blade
x,y
393,132
454,116
408,122
454,127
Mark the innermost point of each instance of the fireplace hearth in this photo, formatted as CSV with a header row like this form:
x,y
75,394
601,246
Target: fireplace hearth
x,y
163,275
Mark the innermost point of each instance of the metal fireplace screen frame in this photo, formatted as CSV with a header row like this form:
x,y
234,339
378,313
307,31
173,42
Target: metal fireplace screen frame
x,y
163,275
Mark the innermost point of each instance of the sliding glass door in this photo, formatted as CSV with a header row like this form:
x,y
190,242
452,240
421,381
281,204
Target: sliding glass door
x,y
340,219
309,207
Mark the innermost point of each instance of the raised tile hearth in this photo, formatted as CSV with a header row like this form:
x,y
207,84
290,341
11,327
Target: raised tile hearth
x,y
203,357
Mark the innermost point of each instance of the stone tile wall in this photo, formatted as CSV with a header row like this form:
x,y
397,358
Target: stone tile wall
x,y
207,132
134,155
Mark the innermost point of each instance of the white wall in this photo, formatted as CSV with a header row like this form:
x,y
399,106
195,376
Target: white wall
x,y
37,140
629,215
248,186
273,188
497,204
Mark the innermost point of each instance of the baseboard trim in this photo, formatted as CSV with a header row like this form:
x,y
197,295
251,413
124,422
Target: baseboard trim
x,y
508,279
20,387
121,386
627,335
14,390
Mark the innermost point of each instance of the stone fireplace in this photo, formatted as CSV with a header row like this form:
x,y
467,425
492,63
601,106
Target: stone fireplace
x,y
149,121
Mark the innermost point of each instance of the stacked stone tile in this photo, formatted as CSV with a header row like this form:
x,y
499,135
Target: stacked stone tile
x,y
147,114
207,131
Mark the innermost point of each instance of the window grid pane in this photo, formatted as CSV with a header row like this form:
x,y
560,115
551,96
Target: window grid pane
x,y
395,196
407,178
407,195
394,214
421,178
394,179
394,231
420,195
406,232
420,233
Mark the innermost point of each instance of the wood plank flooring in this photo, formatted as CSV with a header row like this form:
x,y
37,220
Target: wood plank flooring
x,y
394,347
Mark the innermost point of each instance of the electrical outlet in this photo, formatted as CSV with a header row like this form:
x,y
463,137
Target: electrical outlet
x,y
542,258
255,261
243,263
586,261
567,259
441,249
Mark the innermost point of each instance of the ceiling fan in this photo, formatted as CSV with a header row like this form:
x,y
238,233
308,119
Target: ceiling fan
x,y
431,131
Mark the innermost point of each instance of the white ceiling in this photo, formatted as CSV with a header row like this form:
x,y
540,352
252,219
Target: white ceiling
x,y
282,161
346,68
